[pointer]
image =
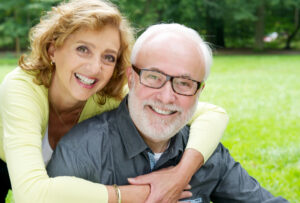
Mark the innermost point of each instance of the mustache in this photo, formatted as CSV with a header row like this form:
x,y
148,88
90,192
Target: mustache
x,y
158,104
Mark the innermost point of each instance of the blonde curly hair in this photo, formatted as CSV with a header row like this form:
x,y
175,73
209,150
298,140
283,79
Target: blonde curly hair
x,y
59,23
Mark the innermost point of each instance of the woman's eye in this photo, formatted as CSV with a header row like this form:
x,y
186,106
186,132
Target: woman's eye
x,y
110,58
82,49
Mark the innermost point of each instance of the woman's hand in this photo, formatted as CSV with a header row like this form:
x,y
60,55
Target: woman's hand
x,y
165,184
169,185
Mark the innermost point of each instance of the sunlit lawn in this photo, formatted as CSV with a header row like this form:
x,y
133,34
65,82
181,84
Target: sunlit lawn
x,y
262,97
7,64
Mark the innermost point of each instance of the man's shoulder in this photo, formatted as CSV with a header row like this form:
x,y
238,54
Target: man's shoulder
x,y
218,155
219,162
93,130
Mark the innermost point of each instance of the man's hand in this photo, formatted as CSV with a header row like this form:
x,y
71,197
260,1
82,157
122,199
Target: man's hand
x,y
166,185
169,185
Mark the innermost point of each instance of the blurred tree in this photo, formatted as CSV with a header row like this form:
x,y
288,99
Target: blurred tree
x,y
283,17
259,25
294,4
225,24
13,26
240,18
215,16
18,16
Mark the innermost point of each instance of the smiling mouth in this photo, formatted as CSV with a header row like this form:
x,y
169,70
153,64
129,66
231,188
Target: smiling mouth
x,y
162,112
85,80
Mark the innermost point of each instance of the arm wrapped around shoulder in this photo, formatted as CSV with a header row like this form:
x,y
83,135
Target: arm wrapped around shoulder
x,y
207,127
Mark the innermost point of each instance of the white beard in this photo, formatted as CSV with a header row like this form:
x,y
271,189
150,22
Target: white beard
x,y
152,126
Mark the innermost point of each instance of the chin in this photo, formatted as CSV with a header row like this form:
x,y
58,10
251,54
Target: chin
x,y
83,98
158,133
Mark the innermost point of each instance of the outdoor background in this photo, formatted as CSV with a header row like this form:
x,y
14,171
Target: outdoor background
x,y
255,75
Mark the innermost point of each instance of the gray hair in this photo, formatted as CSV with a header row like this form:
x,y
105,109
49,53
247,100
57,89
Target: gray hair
x,y
202,46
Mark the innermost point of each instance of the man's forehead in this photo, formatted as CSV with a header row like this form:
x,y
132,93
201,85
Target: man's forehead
x,y
173,54
168,39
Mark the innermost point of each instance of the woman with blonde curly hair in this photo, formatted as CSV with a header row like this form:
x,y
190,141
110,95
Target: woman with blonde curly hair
x,y
75,70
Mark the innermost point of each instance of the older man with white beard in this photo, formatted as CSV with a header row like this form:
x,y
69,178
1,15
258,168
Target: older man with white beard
x,y
147,132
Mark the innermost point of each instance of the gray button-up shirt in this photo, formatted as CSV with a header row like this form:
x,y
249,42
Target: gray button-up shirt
x,y
108,149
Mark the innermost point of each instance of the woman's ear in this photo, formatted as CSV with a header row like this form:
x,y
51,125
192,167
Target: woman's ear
x,y
51,51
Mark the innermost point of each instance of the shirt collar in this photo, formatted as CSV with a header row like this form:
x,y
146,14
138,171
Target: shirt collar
x,y
178,143
134,143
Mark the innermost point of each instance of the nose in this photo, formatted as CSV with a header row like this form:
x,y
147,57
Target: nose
x,y
95,66
166,94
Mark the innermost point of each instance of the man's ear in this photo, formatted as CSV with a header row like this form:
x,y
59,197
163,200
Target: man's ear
x,y
51,51
200,90
129,75
202,87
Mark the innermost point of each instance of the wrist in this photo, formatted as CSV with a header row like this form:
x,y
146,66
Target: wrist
x,y
134,193
190,162
118,193
112,196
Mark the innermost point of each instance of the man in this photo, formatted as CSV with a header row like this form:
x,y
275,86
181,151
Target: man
x,y
147,132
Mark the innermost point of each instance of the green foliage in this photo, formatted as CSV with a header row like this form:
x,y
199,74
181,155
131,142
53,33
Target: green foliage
x,y
227,23
16,18
261,95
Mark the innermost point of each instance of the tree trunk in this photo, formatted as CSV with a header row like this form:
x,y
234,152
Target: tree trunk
x,y
18,46
260,27
17,38
297,27
220,33
215,29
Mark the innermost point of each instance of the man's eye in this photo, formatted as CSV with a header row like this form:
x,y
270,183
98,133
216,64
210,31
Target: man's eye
x,y
185,84
82,49
152,77
110,58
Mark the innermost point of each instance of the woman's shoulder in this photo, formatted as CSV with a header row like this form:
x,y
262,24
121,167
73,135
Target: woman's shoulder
x,y
18,74
20,78
19,84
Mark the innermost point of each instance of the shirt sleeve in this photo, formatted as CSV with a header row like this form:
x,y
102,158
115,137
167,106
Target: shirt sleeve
x,y
207,127
65,162
236,185
81,156
23,111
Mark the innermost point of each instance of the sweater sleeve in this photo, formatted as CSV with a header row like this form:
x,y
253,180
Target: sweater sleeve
x,y
207,127
24,111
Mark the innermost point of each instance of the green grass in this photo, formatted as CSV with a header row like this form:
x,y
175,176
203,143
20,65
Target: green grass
x,y
262,97
7,63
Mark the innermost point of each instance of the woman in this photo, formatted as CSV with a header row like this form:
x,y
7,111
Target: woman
x,y
75,70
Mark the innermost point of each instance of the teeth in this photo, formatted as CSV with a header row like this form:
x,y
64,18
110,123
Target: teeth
x,y
164,112
84,80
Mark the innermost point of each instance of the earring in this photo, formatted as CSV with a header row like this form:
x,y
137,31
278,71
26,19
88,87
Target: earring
x,y
52,64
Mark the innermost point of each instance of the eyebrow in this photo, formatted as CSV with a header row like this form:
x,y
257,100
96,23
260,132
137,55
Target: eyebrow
x,y
186,75
92,45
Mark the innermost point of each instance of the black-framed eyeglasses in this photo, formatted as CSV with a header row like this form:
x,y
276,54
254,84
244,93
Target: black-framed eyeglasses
x,y
156,79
